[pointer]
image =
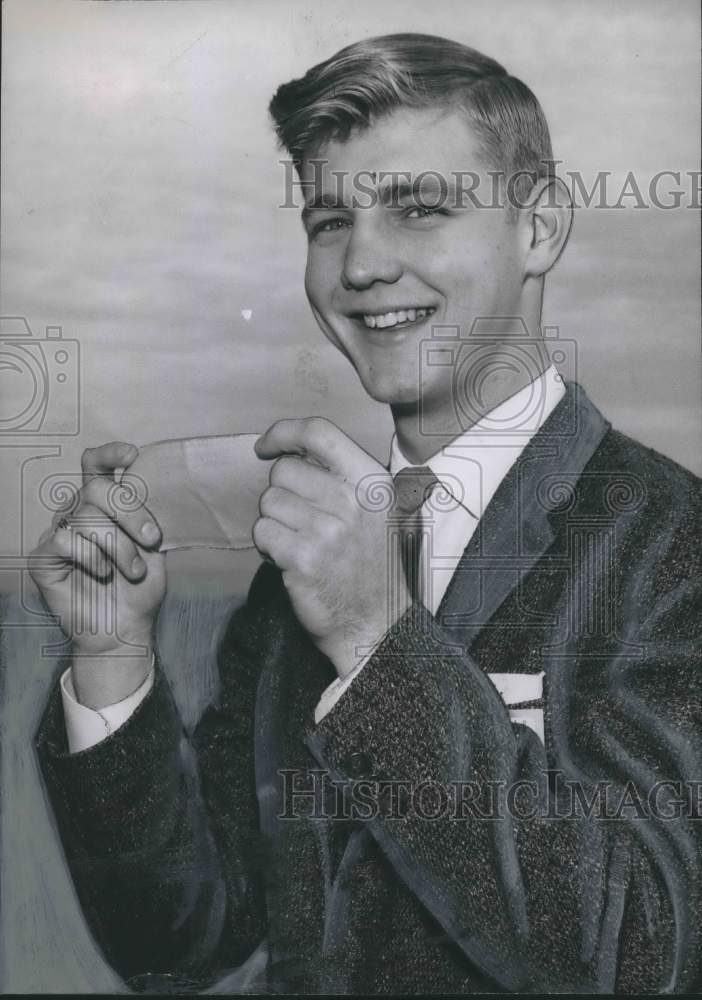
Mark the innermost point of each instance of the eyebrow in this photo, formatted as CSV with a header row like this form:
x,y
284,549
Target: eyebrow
x,y
390,194
387,195
324,201
401,188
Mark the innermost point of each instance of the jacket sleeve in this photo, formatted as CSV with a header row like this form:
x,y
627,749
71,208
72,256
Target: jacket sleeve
x,y
582,876
160,832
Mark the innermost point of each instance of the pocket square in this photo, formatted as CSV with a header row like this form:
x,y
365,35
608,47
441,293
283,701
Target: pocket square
x,y
523,696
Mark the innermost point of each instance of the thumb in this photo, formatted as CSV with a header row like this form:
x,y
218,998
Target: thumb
x,y
317,439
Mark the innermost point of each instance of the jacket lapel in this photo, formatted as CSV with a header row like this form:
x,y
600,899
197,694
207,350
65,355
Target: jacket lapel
x,y
515,532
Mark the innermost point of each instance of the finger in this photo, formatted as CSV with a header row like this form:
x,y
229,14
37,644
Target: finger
x,y
45,565
297,475
139,524
275,541
287,508
55,558
106,458
46,534
91,523
317,438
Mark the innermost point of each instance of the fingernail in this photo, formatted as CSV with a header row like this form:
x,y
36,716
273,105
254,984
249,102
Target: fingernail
x,y
138,566
150,532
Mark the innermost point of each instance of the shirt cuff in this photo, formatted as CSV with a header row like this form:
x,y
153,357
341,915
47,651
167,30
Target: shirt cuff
x,y
331,694
86,727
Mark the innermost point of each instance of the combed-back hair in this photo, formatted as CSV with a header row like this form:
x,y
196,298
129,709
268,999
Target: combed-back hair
x,y
351,90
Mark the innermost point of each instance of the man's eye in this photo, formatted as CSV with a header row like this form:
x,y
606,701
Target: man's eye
x,y
329,226
422,212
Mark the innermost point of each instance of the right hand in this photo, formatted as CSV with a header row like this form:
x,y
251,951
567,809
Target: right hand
x,y
103,578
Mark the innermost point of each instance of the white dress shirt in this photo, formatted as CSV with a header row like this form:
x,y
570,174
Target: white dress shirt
x,y
469,469
87,726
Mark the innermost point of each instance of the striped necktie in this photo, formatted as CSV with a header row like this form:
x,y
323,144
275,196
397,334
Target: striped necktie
x,y
413,486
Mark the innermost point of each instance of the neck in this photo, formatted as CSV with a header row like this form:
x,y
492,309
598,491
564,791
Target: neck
x,y
424,429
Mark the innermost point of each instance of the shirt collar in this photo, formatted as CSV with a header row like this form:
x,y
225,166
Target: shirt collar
x,y
474,464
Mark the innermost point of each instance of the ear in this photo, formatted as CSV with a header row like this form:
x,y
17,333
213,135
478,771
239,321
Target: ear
x,y
549,217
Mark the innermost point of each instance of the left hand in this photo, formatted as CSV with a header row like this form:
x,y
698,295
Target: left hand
x,y
332,550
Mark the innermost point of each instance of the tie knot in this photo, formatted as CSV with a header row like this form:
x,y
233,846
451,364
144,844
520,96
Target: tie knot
x,y
413,486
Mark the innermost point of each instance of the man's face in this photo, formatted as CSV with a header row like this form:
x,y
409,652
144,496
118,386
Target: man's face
x,y
379,278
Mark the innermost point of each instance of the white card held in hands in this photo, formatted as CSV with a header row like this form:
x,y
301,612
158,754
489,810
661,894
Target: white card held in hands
x,y
203,491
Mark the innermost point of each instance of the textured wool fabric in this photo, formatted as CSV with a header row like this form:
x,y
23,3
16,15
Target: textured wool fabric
x,y
188,851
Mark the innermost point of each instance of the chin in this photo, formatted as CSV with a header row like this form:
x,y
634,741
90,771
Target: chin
x,y
389,391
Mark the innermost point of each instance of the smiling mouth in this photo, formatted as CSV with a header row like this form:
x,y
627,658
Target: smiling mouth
x,y
395,319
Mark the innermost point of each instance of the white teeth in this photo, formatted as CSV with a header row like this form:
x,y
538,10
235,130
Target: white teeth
x,y
388,319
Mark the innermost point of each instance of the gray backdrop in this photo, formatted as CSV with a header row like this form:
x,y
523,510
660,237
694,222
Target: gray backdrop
x,y
139,191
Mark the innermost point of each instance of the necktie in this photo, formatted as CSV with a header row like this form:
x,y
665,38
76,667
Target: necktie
x,y
413,486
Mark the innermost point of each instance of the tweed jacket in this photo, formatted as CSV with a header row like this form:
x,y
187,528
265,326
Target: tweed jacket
x,y
417,840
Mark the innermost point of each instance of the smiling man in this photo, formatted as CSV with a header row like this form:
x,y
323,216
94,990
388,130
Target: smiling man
x,y
456,745
421,253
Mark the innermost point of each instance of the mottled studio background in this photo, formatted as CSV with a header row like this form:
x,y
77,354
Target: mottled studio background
x,y
139,191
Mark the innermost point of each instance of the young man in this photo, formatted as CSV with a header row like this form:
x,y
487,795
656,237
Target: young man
x,y
456,747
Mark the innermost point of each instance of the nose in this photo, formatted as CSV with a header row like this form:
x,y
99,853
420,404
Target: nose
x,y
370,256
